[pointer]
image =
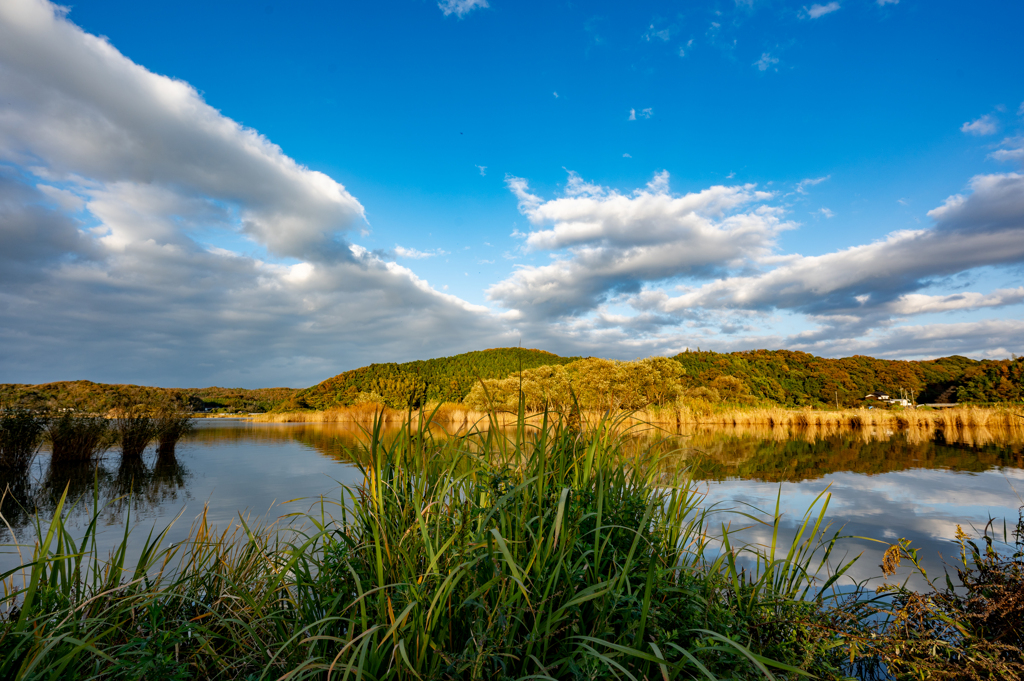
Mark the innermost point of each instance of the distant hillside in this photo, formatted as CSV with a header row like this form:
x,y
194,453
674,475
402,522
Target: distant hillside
x,y
445,379
781,377
797,378
96,397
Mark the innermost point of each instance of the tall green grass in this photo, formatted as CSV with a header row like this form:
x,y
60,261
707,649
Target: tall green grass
x,y
545,554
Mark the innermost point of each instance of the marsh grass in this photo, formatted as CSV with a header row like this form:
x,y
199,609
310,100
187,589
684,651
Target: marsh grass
x,y
134,427
543,552
171,424
21,434
77,438
687,416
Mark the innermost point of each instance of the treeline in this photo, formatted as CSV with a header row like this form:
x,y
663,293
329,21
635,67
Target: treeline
x,y
89,397
413,384
768,377
796,379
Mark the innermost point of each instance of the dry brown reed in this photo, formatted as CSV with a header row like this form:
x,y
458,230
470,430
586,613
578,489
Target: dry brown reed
x,y
958,423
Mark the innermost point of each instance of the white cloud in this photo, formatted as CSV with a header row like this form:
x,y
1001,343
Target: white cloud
x,y
682,51
555,94
766,61
613,242
626,156
986,125
1020,110
816,11
122,179
1011,149
483,170
826,212
802,185
644,113
984,229
917,303
417,255
460,7
882,3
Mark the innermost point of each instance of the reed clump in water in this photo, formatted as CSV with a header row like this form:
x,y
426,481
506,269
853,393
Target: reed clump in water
x,y
172,423
21,434
75,438
134,428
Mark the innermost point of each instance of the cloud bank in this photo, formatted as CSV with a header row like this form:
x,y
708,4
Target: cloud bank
x,y
147,237
117,187
660,266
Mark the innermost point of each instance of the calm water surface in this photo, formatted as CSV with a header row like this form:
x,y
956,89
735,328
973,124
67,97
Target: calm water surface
x,y
883,485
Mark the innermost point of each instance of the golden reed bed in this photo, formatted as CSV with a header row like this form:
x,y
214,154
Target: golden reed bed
x,y
457,416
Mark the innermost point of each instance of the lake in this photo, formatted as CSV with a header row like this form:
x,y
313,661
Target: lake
x,y
883,485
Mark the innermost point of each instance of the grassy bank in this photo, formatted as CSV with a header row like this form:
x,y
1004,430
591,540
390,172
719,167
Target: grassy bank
x,y
548,553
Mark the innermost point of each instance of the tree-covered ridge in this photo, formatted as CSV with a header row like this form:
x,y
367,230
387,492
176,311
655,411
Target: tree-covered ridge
x,y
1001,381
794,378
444,379
97,397
782,377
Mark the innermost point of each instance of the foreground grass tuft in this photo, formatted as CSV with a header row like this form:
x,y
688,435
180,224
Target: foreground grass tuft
x,y
543,554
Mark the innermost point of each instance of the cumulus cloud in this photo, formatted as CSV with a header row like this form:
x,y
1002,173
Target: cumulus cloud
x,y
611,242
460,7
121,190
918,303
985,228
649,269
766,62
815,11
986,125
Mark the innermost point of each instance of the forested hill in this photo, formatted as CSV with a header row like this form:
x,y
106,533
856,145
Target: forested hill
x,y
782,377
445,379
97,397
798,378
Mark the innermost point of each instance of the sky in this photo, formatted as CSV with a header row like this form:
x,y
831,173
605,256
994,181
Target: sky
x,y
265,193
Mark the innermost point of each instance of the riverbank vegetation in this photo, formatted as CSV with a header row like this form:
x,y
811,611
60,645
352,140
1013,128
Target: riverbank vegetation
x,y
546,552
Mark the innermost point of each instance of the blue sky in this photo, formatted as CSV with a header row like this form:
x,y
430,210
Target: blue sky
x,y
269,193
